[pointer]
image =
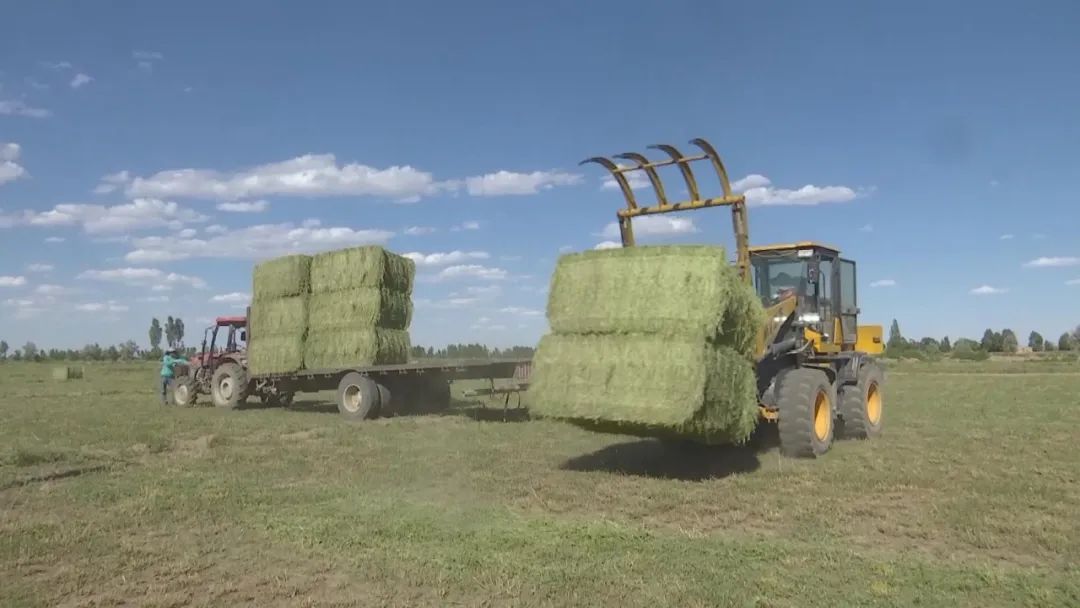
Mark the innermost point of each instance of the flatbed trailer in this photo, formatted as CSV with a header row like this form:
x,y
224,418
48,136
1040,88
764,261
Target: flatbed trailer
x,y
366,392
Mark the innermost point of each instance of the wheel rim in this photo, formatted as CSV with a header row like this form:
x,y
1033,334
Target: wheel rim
x,y
873,404
352,398
822,415
225,388
182,393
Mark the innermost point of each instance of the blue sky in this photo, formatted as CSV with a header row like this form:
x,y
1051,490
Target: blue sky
x,y
150,153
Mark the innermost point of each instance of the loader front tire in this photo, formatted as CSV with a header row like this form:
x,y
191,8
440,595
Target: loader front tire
x,y
861,404
806,401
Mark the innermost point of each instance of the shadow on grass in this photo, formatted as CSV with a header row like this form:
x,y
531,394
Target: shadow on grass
x,y
682,460
481,413
315,407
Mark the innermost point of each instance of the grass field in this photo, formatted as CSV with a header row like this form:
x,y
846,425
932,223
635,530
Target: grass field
x,y
971,498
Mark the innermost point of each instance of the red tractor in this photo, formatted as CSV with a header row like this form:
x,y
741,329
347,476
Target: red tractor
x,y
220,369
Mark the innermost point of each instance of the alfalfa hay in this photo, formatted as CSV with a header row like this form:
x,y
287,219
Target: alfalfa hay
x,y
338,347
276,354
645,385
281,277
370,266
359,308
275,316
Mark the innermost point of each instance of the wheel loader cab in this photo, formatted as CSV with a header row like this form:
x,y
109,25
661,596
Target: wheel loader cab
x,y
823,286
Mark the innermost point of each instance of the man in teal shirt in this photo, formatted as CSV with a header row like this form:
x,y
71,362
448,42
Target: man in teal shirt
x,y
167,362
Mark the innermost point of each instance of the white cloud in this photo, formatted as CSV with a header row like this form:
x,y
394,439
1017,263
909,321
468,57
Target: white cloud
x,y
507,183
39,267
187,233
46,289
608,245
480,326
55,239
1053,262
29,308
451,302
215,229
754,180
254,242
138,214
883,283
987,290
156,299
653,225
157,279
1007,237
637,180
14,107
12,281
521,312
81,80
471,271
10,169
867,228
311,175
479,292
419,230
110,306
57,65
236,297
759,190
470,225
244,206
444,259
112,182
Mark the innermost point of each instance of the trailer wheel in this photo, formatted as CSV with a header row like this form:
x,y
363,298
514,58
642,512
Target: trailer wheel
x,y
229,386
359,397
861,404
184,391
806,401
436,395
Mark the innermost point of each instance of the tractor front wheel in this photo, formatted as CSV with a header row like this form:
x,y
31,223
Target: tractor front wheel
x,y
806,401
229,386
185,391
861,404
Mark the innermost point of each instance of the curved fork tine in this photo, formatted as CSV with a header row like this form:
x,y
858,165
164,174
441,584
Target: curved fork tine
x,y
654,178
620,179
684,166
717,164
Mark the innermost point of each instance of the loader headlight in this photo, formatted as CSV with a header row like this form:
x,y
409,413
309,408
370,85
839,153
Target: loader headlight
x,y
810,317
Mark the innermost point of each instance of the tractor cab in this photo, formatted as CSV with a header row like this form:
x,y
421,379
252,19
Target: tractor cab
x,y
819,285
233,340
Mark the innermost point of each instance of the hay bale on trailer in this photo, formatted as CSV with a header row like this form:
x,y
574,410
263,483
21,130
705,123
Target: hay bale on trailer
x,y
650,341
279,315
350,347
370,266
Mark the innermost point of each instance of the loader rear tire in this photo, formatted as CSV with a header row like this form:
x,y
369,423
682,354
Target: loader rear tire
x,y
229,386
806,401
861,404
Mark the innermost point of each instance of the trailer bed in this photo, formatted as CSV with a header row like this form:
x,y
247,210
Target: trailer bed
x,y
455,369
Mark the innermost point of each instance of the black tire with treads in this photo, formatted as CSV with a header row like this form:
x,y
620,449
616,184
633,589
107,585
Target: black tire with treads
x,y
238,386
855,404
797,392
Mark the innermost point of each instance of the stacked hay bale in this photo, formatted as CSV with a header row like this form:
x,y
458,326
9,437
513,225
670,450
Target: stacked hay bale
x,y
67,373
360,308
653,341
279,315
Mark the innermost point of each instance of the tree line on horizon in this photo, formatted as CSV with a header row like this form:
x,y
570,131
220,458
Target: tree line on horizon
x,y
1003,341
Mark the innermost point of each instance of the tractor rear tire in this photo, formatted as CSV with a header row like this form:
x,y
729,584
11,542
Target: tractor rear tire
x,y
229,386
359,397
185,391
861,404
806,401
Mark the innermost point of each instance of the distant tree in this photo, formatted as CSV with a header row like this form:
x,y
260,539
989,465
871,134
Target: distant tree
x,y
30,351
988,341
17,355
896,339
1036,342
112,354
945,345
929,344
170,331
1009,343
178,327
155,334
3,350
1065,342
1049,346
128,350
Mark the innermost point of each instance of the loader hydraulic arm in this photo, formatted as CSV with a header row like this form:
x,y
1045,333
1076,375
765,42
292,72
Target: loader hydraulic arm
x,y
737,202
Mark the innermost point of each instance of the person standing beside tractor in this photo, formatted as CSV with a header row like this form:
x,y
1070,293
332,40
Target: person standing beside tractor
x,y
167,363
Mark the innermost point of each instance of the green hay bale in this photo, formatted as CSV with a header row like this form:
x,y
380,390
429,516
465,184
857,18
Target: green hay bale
x,y
281,277
276,354
363,307
67,373
645,385
361,267
336,348
276,316
671,290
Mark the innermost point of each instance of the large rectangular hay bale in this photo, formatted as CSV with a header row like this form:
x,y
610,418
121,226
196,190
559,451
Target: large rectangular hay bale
x,y
273,316
647,385
280,277
359,308
69,372
276,354
675,289
337,348
370,266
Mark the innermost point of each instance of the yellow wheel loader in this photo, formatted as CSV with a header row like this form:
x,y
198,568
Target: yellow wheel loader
x,y
816,366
